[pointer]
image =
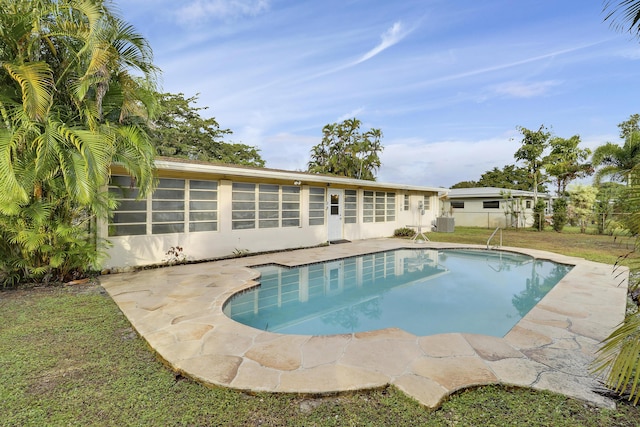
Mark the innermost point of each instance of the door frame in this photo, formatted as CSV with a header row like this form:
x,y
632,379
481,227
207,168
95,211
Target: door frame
x,y
335,220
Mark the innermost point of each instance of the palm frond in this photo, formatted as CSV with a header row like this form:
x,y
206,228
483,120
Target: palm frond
x,y
624,15
36,81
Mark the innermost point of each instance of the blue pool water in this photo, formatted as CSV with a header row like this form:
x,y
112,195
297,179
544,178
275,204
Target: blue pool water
x,y
421,291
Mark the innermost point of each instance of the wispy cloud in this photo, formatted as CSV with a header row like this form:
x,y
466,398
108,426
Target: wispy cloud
x,y
390,37
525,90
203,10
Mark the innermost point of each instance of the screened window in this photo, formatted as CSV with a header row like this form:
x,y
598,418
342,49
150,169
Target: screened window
x,y
243,206
367,206
269,206
167,207
174,204
203,206
380,206
427,202
457,204
316,206
391,206
406,202
491,204
290,206
350,206
130,217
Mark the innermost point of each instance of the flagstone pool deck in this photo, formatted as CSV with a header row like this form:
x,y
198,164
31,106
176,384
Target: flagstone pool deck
x,y
178,311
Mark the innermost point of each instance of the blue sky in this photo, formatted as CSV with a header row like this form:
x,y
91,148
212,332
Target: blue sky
x,y
447,82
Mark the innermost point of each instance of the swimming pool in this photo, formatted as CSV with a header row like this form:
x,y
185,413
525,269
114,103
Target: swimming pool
x,y
422,291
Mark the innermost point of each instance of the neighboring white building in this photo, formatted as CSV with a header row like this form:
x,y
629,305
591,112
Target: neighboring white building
x,y
212,210
492,207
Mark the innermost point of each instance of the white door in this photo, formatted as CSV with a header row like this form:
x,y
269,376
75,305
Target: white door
x,y
335,214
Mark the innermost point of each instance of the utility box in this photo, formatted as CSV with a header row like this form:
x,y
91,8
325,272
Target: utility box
x,y
445,224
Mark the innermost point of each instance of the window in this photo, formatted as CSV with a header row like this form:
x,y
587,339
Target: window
x,y
268,206
167,207
334,204
391,207
367,207
174,203
406,202
350,206
456,204
378,206
316,206
243,206
427,202
203,205
492,204
528,204
130,217
290,206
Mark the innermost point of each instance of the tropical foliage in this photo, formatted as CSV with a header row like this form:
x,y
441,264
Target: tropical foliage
x,y
583,199
619,358
543,156
567,162
346,151
616,161
531,150
559,214
624,15
76,84
179,130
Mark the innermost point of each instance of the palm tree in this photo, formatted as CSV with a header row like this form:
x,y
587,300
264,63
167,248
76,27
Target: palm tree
x,y
615,161
619,358
624,15
345,151
70,107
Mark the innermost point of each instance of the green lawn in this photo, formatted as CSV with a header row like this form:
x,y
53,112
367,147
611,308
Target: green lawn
x,y
69,357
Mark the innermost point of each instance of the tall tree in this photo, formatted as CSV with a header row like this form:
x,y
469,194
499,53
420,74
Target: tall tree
x,y
617,162
75,84
531,151
629,126
567,161
346,151
179,130
582,199
510,177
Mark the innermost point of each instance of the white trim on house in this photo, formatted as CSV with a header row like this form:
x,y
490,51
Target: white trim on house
x,y
211,211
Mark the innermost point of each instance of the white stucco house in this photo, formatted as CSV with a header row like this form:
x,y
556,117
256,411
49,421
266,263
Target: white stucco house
x,y
492,207
213,210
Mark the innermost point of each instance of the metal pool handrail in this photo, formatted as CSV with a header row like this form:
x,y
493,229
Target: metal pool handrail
x,y
493,234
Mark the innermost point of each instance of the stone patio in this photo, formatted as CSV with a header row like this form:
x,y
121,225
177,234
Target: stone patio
x,y
178,310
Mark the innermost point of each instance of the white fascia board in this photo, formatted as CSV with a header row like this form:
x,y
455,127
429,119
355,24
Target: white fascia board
x,y
303,178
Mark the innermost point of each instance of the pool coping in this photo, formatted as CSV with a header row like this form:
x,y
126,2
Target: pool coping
x,y
178,311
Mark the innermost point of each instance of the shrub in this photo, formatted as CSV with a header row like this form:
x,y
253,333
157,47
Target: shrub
x,y
404,232
560,216
538,215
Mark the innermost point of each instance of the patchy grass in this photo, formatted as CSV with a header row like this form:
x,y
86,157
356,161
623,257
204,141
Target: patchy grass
x,y
594,247
69,357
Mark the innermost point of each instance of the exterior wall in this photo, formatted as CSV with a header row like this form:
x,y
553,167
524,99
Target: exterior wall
x,y
475,215
146,249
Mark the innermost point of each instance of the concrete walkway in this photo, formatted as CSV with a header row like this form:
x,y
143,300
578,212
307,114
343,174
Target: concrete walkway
x,y
178,310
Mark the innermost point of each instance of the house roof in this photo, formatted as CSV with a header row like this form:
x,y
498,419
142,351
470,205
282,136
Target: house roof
x,y
484,192
227,171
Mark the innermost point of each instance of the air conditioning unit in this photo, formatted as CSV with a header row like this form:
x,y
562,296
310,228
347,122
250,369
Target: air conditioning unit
x,y
445,224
